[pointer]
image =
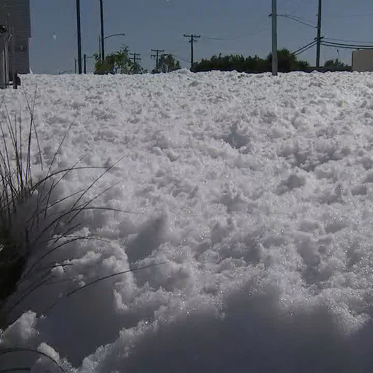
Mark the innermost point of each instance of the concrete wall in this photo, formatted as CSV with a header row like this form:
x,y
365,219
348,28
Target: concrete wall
x,y
362,60
17,14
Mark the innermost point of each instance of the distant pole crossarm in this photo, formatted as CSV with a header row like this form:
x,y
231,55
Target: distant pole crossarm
x,y
192,39
156,56
274,39
136,57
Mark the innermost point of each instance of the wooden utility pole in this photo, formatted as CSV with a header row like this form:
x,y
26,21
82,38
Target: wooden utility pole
x,y
192,39
79,32
319,19
135,59
274,39
102,30
14,72
156,56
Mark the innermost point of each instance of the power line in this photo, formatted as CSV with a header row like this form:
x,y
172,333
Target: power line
x,y
180,58
296,19
350,41
237,37
349,15
300,18
305,48
346,46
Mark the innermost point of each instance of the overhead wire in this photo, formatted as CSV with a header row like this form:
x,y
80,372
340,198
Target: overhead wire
x,y
297,19
351,41
348,15
345,46
235,38
300,18
328,42
305,48
179,58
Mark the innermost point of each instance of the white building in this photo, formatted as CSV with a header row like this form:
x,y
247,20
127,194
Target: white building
x,y
362,60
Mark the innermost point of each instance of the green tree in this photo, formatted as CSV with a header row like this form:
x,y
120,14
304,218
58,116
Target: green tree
x,y
166,64
334,64
117,63
136,68
287,62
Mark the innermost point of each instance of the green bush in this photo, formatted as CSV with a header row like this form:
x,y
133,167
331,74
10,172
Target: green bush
x,y
287,62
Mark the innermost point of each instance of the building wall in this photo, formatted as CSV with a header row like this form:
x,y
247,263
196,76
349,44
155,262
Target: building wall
x,y
362,60
17,14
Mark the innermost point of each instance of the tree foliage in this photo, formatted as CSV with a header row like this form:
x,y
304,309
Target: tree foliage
x,y
117,62
335,64
166,64
287,62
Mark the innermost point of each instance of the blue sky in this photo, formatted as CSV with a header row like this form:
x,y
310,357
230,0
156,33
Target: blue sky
x,y
244,24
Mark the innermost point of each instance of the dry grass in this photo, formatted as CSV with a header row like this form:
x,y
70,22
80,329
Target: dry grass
x,y
31,216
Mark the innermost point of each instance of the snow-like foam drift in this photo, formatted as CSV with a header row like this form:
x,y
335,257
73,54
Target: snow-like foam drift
x,y
253,193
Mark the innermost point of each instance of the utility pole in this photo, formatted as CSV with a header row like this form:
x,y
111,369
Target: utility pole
x,y
85,63
14,73
319,18
156,56
192,39
79,31
102,30
135,59
274,39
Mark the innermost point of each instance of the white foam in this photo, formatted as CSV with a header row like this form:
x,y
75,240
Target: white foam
x,y
255,195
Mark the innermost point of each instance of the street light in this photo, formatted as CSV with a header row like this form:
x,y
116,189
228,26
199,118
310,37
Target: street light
x,y
101,42
110,36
